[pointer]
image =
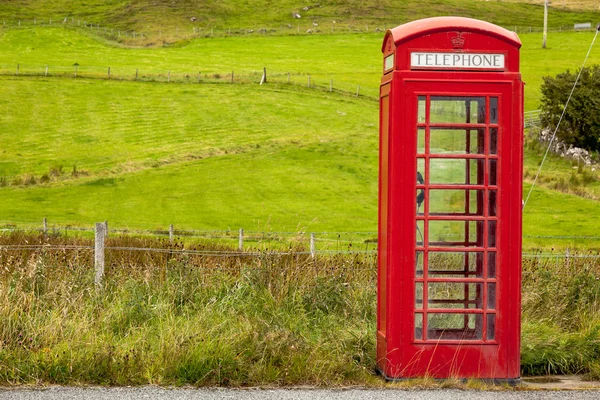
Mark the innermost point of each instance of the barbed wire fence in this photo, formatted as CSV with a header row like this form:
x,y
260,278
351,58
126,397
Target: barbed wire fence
x,y
234,249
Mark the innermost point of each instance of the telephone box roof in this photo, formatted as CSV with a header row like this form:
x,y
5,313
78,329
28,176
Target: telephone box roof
x,y
427,26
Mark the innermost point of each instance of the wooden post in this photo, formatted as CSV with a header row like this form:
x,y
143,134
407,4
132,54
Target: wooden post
x,y
331,85
264,77
46,73
76,71
45,222
312,245
199,76
169,77
241,240
288,77
232,76
136,74
99,253
106,228
545,24
308,84
357,90
18,67
171,233
108,72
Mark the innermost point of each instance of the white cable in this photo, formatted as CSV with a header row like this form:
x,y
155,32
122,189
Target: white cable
x,y
559,121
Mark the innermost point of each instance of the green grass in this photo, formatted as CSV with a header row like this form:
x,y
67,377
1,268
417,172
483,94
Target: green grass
x,y
349,60
170,18
241,321
221,155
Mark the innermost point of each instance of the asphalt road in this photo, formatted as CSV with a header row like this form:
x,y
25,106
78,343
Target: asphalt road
x,y
66,393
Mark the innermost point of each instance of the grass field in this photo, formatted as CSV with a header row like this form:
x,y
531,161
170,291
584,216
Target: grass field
x,y
171,20
221,155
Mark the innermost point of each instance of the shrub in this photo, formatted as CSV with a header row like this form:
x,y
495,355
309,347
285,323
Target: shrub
x,y
580,126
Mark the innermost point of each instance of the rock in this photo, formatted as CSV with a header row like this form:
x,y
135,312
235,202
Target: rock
x,y
309,31
306,8
315,24
193,19
296,15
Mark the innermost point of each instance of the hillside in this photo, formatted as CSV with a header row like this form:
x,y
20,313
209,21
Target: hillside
x,y
160,19
147,153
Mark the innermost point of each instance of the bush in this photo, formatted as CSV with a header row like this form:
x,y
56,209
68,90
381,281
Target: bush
x,y
580,126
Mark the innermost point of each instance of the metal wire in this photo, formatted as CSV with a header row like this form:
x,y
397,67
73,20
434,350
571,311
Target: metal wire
x,y
559,121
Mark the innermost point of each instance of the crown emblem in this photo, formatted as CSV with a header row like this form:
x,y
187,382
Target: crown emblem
x,y
458,42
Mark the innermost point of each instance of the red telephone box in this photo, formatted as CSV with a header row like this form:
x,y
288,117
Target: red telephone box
x,y
451,150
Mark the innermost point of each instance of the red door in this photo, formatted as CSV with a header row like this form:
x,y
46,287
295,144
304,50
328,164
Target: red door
x,y
462,322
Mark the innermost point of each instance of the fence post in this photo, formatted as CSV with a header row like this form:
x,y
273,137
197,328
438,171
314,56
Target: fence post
x,y
312,245
357,90
171,233
567,256
264,77
99,253
108,72
106,228
45,222
169,77
308,84
331,85
241,240
199,76
232,75
18,66
76,71
288,77
136,74
46,73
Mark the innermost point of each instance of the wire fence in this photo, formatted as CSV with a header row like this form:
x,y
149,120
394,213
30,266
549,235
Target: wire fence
x,y
197,76
195,29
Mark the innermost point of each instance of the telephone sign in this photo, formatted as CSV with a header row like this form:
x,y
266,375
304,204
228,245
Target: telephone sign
x,y
451,157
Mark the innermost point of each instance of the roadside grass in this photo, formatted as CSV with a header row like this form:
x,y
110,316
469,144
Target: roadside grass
x,y
172,20
265,320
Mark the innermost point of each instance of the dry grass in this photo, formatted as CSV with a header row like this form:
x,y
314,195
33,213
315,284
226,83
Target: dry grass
x,y
172,318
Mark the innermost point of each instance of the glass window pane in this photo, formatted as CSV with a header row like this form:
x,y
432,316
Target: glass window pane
x,y
493,172
491,327
463,202
456,141
491,296
419,263
420,232
454,233
493,110
492,203
418,326
421,141
454,326
492,234
456,171
421,111
455,295
455,264
463,110
493,140
491,265
421,167
419,295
